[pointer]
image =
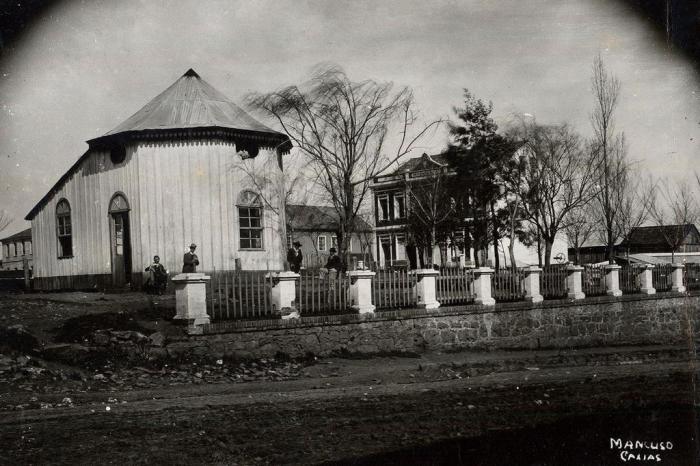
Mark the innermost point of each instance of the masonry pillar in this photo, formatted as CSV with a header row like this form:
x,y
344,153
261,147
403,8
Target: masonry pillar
x,y
677,277
360,292
482,286
612,280
191,298
425,288
531,284
283,294
646,279
574,282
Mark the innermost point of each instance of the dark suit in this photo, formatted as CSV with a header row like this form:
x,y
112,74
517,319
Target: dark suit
x,y
334,263
294,257
190,263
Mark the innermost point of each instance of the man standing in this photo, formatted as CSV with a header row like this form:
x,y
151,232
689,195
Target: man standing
x,y
333,262
294,257
190,261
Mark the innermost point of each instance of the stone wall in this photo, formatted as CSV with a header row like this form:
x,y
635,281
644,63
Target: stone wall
x,y
605,321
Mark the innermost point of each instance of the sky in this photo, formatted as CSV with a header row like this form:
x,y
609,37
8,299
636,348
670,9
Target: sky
x,y
85,66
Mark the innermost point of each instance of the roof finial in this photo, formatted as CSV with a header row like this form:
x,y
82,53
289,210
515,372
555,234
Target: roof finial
x,y
191,73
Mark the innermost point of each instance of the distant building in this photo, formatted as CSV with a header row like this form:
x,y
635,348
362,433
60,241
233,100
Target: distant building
x,y
650,244
316,227
159,181
15,250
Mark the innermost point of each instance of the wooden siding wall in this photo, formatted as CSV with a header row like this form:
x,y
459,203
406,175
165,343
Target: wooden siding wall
x,y
178,192
88,190
191,196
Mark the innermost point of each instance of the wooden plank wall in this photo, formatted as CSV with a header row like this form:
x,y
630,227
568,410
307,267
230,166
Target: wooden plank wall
x,y
88,191
179,193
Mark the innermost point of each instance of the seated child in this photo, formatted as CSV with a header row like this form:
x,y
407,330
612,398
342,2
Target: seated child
x,y
158,276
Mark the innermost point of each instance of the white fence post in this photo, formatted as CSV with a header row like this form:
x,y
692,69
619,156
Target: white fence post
x,y
646,279
191,298
482,286
531,283
283,294
360,291
574,281
612,280
677,277
425,289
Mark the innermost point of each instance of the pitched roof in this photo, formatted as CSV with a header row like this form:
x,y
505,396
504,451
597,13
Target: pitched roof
x,y
190,102
24,234
423,162
656,235
318,218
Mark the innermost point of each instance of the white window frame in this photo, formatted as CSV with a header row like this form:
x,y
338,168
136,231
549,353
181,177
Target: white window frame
x,y
322,247
398,196
334,242
380,217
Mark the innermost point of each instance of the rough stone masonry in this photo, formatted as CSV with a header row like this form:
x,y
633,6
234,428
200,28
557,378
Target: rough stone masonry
x,y
668,318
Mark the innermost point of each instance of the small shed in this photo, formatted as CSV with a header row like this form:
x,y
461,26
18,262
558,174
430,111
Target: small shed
x,y
163,179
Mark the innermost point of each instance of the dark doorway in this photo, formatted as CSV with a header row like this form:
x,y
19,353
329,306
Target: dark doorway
x,y
120,241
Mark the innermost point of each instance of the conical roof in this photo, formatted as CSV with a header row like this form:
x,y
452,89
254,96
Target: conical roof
x,y
190,102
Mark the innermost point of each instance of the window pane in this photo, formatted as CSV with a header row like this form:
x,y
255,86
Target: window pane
x,y
255,233
255,222
257,243
254,212
245,222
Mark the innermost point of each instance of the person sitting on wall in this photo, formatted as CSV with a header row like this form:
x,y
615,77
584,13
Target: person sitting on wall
x,y
158,276
333,263
190,260
294,257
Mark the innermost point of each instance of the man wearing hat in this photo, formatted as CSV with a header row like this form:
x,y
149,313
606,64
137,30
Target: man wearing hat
x,y
190,261
294,257
333,262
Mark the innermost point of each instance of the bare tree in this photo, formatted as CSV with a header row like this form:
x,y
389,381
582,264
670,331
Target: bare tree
x,y
629,199
5,219
560,177
431,213
345,130
606,93
581,226
675,217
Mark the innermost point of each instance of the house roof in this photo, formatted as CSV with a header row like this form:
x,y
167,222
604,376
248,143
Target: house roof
x,y
318,218
22,235
190,105
656,235
190,102
423,162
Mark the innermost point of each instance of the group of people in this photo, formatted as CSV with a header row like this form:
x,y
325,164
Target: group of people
x,y
295,258
157,278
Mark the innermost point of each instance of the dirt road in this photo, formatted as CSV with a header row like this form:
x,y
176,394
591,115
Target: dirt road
x,y
345,411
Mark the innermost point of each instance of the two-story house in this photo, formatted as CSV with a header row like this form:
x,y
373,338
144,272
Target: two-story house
x,y
391,207
16,249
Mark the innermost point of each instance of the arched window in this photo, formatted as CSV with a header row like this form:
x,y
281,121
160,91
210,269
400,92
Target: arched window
x,y
250,220
118,204
63,229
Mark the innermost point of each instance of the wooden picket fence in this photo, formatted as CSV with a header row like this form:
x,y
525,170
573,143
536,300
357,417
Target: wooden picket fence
x,y
629,279
691,276
661,277
393,289
507,285
455,286
240,294
553,282
593,280
319,293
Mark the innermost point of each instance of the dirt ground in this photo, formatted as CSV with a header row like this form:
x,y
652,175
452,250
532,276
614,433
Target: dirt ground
x,y
543,407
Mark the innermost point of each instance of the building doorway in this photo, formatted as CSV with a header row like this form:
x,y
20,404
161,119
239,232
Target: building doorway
x,y
120,240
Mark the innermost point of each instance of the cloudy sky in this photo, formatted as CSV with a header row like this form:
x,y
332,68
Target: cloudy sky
x,y
85,66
